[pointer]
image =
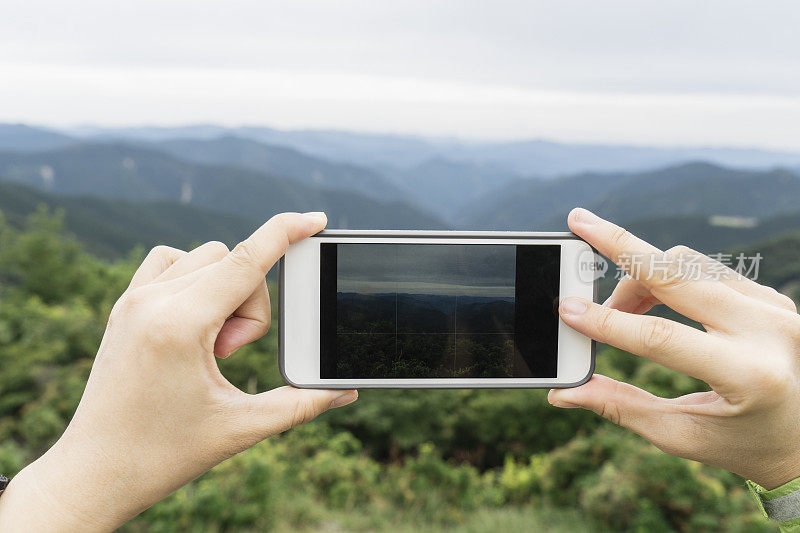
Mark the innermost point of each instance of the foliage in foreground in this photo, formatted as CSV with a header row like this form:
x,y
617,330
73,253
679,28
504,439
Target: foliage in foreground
x,y
396,460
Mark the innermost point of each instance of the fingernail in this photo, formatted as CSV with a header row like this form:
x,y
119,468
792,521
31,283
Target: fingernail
x,y
584,216
573,306
318,216
565,405
346,398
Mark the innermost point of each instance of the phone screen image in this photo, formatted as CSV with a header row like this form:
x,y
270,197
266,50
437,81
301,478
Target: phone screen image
x,y
390,311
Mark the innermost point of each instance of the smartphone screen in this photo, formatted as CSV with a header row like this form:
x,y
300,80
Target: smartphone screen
x,y
438,310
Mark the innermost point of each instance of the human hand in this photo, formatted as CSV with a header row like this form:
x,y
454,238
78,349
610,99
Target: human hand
x,y
157,412
749,422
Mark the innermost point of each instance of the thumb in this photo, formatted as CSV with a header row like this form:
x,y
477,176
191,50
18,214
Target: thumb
x,y
283,408
621,403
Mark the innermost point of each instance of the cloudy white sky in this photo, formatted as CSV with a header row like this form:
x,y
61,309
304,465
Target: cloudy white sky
x,y
708,72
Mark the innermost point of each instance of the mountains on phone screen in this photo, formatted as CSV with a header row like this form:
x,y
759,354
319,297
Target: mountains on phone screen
x,y
122,187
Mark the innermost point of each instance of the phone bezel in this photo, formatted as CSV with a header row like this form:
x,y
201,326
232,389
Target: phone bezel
x,y
578,363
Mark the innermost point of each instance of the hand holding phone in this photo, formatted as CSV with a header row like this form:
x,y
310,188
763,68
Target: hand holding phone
x,y
749,422
156,412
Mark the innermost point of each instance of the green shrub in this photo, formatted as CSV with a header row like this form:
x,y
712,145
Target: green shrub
x,y
624,483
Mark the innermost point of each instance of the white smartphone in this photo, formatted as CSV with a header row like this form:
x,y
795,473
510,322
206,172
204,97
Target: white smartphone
x,y
440,309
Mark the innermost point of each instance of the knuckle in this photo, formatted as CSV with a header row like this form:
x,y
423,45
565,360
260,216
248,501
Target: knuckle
x,y
773,378
133,299
304,411
656,334
148,317
713,294
117,312
610,411
161,332
682,259
245,254
789,324
160,251
674,279
264,322
681,250
620,237
282,223
261,322
785,301
606,322
282,219
609,407
217,248
262,313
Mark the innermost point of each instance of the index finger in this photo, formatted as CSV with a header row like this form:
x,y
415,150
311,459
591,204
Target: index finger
x,y
233,279
704,300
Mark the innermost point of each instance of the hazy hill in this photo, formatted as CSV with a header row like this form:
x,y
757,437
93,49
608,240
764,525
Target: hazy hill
x,y
780,267
532,205
280,161
113,227
702,188
444,186
129,172
351,147
529,157
698,231
550,159
22,138
690,189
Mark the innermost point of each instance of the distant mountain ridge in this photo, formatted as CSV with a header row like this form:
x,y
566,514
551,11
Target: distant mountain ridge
x,y
689,189
446,186
136,173
700,233
280,161
449,176
445,176
24,138
111,228
257,179
535,157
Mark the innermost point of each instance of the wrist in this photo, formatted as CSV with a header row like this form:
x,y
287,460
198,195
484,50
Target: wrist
x,y
67,489
776,473
27,505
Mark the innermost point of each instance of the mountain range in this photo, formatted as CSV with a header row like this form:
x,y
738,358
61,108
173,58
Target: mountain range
x,y
443,176
135,173
111,228
151,185
688,189
282,162
530,157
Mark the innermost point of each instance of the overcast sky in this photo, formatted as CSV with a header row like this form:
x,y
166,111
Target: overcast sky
x,y
640,71
470,270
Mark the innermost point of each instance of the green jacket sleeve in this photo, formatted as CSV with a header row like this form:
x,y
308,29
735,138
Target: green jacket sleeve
x,y
781,504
